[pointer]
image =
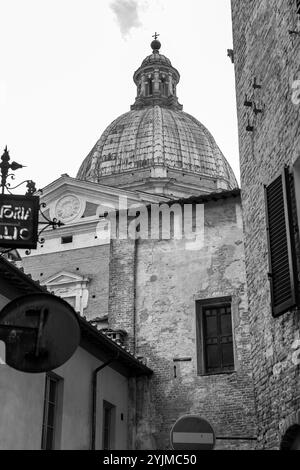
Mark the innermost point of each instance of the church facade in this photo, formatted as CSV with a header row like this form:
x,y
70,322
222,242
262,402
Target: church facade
x,y
152,254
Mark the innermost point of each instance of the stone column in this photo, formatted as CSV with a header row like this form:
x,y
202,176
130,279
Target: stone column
x,y
143,85
156,81
170,84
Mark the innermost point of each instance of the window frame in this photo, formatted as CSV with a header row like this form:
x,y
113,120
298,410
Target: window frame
x,y
164,87
66,239
149,87
112,426
218,302
51,376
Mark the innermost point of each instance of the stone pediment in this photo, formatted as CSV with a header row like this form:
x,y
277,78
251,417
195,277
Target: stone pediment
x,y
71,287
64,277
73,201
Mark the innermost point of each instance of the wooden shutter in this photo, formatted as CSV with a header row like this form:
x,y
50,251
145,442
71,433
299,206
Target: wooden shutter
x,y
226,341
211,338
282,258
218,339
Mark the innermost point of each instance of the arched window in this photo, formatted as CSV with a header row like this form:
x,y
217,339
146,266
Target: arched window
x,y
291,438
163,87
148,87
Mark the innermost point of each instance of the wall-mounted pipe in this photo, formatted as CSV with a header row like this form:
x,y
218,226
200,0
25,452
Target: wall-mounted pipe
x,y
94,399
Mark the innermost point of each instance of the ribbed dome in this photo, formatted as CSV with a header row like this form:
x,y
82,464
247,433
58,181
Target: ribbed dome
x,y
156,136
156,58
156,147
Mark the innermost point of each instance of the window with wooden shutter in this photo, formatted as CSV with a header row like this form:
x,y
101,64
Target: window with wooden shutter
x,y
215,337
282,257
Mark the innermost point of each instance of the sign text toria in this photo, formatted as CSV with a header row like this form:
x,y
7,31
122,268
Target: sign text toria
x,y
18,221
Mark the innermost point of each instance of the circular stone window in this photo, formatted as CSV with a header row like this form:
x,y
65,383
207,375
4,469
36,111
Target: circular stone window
x,y
68,208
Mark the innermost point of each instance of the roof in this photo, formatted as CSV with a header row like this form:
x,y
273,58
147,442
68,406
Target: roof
x,y
156,58
76,184
113,349
19,279
93,340
200,199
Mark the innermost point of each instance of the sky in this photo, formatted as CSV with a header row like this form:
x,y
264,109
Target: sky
x,y
67,65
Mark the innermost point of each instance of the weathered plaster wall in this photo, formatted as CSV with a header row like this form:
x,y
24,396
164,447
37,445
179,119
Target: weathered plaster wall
x,y
169,278
263,48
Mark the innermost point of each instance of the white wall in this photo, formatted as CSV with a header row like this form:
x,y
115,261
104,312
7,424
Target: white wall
x,y
21,405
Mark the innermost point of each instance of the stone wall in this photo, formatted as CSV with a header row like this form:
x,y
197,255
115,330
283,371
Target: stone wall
x,y
264,50
169,279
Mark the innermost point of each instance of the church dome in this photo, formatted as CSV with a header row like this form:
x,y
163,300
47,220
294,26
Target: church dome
x,y
156,147
156,58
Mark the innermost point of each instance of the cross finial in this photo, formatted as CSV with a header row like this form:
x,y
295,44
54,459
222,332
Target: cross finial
x,y
155,35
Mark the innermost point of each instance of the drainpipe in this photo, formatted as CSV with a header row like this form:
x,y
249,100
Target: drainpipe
x,y
134,293
94,398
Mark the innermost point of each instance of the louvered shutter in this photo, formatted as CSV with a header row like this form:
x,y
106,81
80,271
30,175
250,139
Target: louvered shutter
x,y
282,258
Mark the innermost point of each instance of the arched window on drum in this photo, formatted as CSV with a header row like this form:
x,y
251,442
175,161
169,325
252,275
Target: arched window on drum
x,y
149,87
163,86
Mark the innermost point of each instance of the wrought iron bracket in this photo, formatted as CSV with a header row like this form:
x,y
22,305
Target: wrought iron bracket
x,y
54,223
5,167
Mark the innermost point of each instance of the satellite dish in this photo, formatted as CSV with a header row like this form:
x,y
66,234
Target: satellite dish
x,y
41,332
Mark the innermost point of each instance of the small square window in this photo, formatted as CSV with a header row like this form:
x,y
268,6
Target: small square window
x,y
214,336
67,239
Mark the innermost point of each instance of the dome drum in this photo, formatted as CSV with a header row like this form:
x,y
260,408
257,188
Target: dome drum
x,y
160,180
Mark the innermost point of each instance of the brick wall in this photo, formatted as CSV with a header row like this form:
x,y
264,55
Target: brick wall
x,y
264,49
122,289
91,262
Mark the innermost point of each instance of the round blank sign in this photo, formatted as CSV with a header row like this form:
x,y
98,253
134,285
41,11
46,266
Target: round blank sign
x,y
192,433
41,332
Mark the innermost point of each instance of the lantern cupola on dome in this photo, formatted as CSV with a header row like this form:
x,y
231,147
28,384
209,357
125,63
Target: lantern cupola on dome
x,y
156,80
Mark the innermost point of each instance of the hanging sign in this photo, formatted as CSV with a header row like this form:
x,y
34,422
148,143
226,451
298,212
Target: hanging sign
x,y
19,221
